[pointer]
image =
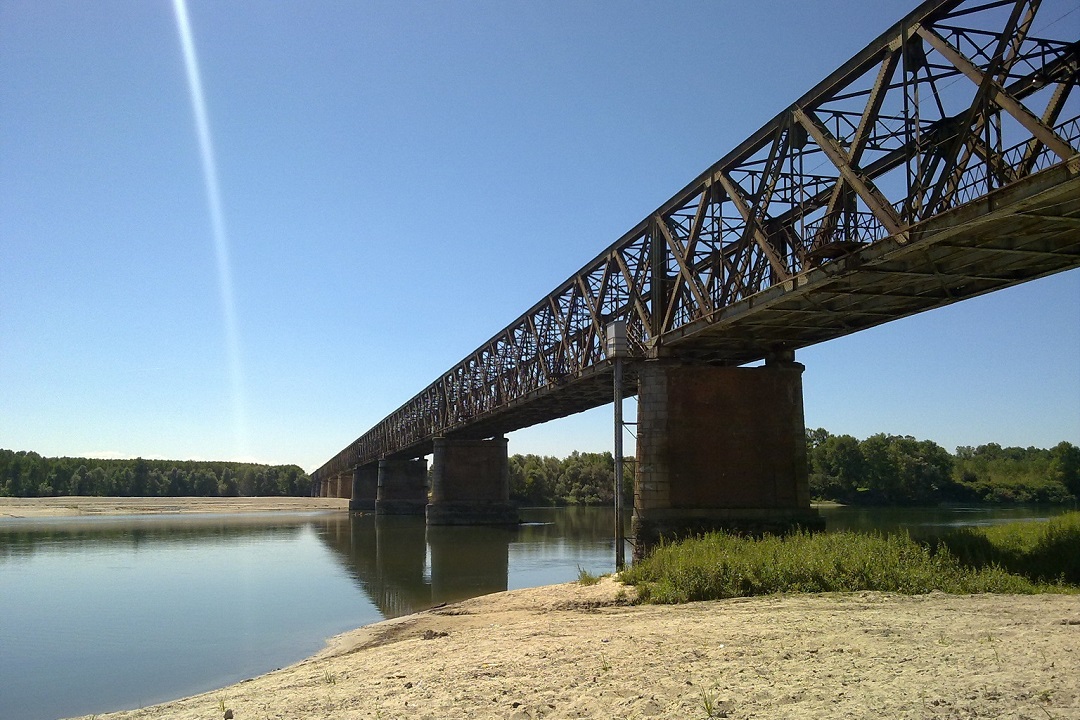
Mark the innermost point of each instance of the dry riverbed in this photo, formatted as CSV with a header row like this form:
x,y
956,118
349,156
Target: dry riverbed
x,y
569,651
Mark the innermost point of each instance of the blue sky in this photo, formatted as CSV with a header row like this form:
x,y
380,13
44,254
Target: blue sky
x,y
398,181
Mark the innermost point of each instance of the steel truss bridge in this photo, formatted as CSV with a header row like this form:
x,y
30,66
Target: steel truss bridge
x,y
939,163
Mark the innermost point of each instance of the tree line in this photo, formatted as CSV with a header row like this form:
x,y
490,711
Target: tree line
x,y
27,474
900,470
880,470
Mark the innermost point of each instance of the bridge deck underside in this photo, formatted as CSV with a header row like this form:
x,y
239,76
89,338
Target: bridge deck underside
x,y
1016,235
1019,233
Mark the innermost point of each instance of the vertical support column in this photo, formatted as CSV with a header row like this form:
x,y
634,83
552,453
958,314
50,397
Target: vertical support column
x,y
402,487
471,483
365,488
720,448
344,485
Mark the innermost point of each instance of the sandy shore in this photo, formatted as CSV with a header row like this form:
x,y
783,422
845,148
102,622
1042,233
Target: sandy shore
x,y
569,651
98,506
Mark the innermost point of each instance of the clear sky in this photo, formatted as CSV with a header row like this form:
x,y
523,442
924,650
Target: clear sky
x,y
395,182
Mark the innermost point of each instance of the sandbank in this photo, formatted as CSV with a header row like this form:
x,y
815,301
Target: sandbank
x,y
26,508
573,651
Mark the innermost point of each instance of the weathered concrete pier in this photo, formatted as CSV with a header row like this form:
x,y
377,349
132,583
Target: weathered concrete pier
x,y
720,447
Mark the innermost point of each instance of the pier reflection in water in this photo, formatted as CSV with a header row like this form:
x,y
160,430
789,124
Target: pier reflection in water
x,y
468,561
404,566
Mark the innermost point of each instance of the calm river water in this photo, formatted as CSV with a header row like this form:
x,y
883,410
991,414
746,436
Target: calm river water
x,y
123,612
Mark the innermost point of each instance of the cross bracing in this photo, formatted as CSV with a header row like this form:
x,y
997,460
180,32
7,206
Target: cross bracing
x,y
937,164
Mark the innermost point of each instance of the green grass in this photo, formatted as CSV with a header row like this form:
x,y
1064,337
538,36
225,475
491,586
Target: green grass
x,y
720,565
1043,552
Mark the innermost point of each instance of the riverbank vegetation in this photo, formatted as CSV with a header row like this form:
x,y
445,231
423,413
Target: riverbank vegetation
x,y
900,470
1019,558
880,470
27,474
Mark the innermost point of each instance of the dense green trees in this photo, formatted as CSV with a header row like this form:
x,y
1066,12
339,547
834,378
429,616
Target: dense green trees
x,y
580,479
27,474
997,474
880,470
900,470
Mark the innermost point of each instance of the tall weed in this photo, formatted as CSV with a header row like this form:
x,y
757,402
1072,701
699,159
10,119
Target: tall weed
x,y
1046,551
721,565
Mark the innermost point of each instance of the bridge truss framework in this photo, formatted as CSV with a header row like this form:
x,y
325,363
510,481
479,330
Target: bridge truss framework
x,y
937,164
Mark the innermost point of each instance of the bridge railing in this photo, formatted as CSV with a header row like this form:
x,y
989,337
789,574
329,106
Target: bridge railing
x,y
954,101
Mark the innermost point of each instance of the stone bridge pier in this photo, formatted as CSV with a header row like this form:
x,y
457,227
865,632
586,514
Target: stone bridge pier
x,y
402,487
333,487
365,488
471,483
720,448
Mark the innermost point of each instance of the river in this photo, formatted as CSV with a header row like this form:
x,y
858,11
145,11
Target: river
x,y
122,612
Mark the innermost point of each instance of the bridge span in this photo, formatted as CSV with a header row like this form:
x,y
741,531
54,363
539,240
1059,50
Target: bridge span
x,y
938,164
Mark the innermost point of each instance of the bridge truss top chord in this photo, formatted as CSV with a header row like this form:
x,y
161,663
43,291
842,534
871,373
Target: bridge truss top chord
x,y
937,164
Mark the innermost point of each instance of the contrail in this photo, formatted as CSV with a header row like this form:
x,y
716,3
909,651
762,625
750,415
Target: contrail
x,y
217,220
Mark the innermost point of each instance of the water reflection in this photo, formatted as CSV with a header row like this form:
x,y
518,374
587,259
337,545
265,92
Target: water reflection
x,y
386,557
571,524
126,612
24,538
468,561
121,612
404,566
931,522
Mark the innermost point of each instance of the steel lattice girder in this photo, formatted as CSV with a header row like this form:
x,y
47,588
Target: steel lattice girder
x,y
827,220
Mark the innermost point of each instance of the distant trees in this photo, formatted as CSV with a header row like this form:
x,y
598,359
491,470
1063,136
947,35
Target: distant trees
x,y
880,470
580,479
900,470
28,474
1013,474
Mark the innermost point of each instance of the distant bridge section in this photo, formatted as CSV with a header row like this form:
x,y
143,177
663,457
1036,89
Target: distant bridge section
x,y
939,163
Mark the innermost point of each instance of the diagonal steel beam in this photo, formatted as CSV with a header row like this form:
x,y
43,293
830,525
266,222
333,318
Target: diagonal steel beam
x,y
862,133
734,193
633,285
875,201
1049,119
979,115
1003,99
685,275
